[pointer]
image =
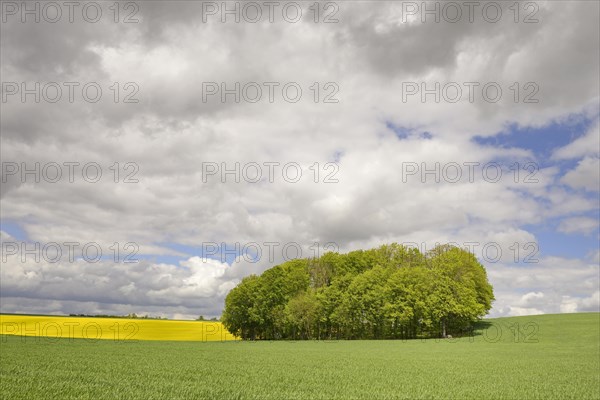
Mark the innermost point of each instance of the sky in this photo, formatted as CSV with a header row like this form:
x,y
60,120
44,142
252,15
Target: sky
x,y
155,153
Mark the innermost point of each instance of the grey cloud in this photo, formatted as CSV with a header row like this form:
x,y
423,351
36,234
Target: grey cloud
x,y
171,131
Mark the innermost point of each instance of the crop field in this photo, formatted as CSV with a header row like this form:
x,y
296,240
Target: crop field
x,y
534,357
116,329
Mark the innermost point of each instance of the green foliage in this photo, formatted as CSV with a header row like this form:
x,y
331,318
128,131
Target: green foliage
x,y
302,312
385,293
537,357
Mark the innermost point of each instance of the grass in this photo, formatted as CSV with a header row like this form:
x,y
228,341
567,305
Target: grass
x,y
551,357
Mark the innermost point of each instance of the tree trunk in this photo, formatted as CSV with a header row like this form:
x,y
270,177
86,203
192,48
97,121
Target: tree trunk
x,y
443,328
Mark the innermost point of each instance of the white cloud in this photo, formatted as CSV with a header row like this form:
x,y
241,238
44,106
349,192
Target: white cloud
x,y
195,286
5,237
532,298
369,54
549,286
587,145
583,225
585,176
521,311
571,305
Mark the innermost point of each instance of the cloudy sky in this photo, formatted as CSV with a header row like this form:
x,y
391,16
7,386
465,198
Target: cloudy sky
x,y
206,141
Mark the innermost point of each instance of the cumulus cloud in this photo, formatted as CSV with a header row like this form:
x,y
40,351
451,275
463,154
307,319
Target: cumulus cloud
x,y
585,176
583,225
581,304
550,285
84,287
586,145
376,135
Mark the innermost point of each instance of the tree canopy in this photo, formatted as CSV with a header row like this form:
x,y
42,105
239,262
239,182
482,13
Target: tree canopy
x,y
389,292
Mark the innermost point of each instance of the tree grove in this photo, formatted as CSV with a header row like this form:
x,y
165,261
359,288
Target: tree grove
x,y
391,292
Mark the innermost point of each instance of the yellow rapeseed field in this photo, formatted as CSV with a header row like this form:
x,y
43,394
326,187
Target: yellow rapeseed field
x,y
49,326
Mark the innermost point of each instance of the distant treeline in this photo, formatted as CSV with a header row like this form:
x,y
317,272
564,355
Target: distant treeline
x,y
135,316
202,318
129,316
391,292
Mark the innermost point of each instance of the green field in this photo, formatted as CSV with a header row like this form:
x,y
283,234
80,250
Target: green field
x,y
550,357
